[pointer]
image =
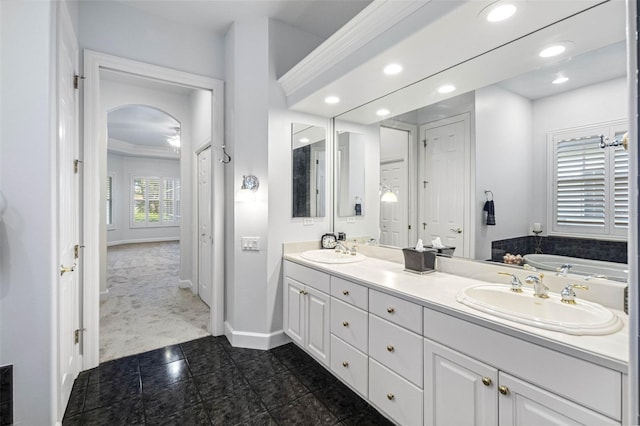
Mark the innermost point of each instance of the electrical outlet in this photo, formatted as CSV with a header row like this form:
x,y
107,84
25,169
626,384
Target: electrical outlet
x,y
351,219
307,221
250,243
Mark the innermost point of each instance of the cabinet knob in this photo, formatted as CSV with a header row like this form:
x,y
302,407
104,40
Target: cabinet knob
x,y
345,324
345,292
345,364
390,310
503,390
486,381
390,348
391,396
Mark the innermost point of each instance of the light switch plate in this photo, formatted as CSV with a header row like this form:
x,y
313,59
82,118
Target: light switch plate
x,y
250,243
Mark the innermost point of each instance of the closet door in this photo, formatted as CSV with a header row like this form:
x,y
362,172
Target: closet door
x,y
205,248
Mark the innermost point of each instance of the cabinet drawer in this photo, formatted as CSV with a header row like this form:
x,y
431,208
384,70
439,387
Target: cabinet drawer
x,y
349,292
350,365
308,276
398,311
349,323
396,348
392,394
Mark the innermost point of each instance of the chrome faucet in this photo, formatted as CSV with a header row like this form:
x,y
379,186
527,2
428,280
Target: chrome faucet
x,y
568,295
539,289
564,269
341,248
516,284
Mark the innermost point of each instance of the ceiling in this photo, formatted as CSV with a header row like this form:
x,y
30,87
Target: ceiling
x,y
319,17
141,125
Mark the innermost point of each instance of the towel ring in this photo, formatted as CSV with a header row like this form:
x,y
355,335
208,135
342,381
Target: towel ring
x,y
486,195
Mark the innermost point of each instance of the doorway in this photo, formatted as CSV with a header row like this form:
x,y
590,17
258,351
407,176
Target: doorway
x,y
208,116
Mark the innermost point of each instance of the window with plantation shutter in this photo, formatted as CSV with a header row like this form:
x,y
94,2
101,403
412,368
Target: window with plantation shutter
x,y
154,201
590,183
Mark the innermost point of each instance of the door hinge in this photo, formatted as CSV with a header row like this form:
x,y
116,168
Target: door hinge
x,y
76,80
76,335
424,184
76,165
76,250
409,226
424,142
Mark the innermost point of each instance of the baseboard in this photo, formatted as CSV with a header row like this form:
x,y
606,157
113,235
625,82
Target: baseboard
x,y
104,295
264,341
187,284
142,240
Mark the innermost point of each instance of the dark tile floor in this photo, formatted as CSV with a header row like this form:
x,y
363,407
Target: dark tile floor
x,y
209,382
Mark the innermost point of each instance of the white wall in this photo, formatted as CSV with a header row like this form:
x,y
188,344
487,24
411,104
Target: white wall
x,y
121,30
123,168
116,94
504,165
27,228
593,104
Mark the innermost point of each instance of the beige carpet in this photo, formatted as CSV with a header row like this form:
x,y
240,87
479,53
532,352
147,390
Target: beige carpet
x,y
146,309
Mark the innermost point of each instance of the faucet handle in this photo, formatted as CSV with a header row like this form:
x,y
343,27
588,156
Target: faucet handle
x,y
568,295
516,284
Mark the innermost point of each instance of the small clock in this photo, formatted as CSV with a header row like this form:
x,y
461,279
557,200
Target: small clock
x,y
328,241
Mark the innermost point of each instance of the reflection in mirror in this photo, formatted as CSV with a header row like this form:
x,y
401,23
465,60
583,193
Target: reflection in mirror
x,y
498,141
350,174
308,145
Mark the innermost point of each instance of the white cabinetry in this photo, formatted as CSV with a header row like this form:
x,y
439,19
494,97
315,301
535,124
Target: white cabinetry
x,y
307,310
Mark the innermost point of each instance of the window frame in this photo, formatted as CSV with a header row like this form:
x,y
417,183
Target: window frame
x,y
161,223
608,231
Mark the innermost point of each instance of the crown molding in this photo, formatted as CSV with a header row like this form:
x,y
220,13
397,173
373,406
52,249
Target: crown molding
x,y
125,148
369,24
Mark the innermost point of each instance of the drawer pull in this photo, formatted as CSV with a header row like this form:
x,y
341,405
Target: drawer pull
x,y
391,396
390,348
503,390
345,364
486,381
345,292
345,324
390,310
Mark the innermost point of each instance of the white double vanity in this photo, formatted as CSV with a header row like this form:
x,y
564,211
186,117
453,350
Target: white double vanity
x,y
406,345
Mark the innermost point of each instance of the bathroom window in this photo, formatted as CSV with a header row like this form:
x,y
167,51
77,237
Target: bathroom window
x,y
155,201
590,183
109,203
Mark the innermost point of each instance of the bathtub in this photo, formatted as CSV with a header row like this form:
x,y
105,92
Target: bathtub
x,y
551,262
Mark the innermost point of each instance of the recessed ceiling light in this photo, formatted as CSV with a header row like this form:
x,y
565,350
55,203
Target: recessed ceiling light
x,y
447,88
304,140
332,99
382,112
500,11
553,50
392,69
560,80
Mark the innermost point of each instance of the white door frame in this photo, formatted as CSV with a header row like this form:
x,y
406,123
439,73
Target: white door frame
x,y
468,179
95,159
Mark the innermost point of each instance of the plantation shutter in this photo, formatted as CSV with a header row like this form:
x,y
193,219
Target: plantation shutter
x,y
153,200
580,183
109,200
168,200
621,186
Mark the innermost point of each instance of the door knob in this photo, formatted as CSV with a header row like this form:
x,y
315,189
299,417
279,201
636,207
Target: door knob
x,y
456,230
64,269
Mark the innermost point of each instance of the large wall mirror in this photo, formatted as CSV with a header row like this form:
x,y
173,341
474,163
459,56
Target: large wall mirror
x,y
493,146
309,153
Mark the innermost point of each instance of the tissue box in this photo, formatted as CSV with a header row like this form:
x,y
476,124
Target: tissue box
x,y
421,262
445,251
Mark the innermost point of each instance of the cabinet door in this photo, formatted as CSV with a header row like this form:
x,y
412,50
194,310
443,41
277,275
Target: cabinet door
x,y
317,328
293,315
458,390
524,404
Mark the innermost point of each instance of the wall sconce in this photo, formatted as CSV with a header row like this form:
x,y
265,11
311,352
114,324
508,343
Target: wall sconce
x,y
387,195
248,189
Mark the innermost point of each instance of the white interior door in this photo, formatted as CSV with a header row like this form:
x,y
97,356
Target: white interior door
x,y
394,216
67,213
204,226
443,184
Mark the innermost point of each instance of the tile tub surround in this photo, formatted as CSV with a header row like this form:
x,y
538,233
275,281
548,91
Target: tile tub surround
x,y
209,382
6,395
586,248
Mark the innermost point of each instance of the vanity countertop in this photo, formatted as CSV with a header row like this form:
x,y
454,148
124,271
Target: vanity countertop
x,y
438,291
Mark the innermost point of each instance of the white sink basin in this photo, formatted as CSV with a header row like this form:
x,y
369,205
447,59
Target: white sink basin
x,y
583,318
331,256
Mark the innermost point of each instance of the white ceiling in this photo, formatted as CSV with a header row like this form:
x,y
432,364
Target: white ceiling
x,y
141,125
319,17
